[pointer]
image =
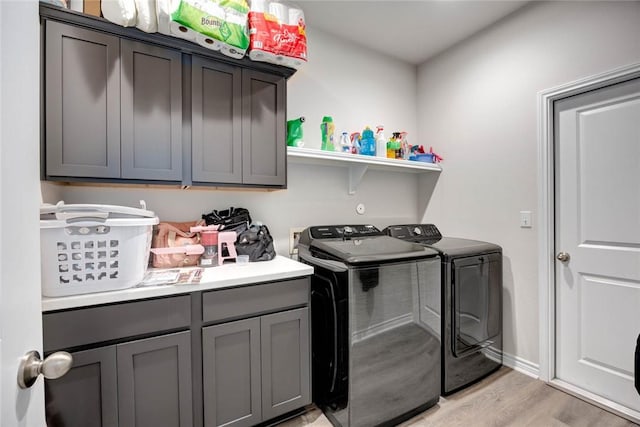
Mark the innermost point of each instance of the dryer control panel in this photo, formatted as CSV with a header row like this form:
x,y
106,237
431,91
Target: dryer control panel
x,y
414,232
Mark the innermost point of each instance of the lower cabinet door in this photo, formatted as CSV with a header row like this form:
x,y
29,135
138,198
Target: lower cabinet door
x,y
231,373
87,395
154,382
285,362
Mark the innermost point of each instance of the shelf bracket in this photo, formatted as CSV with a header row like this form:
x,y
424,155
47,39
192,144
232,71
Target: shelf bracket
x,y
356,172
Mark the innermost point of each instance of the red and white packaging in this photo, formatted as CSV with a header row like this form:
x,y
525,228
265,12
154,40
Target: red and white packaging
x,y
277,33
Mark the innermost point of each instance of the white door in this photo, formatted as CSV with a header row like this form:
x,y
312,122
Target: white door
x,y
597,199
20,316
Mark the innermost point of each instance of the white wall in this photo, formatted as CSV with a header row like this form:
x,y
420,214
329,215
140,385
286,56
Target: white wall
x,y
477,107
355,86
342,80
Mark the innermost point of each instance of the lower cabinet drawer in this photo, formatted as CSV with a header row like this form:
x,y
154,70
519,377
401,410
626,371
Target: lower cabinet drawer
x,y
252,300
90,325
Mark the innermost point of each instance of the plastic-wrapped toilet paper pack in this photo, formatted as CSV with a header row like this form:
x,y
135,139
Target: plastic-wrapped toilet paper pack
x,y
176,29
146,19
222,20
277,32
121,12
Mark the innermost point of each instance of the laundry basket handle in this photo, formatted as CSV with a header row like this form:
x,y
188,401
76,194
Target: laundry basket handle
x,y
93,211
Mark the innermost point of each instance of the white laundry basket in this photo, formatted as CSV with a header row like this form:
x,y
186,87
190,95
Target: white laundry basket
x,y
93,248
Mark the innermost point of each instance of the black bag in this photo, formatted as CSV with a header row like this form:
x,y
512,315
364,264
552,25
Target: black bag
x,y
232,219
256,242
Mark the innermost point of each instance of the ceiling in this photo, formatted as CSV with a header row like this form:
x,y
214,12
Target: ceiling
x,y
412,31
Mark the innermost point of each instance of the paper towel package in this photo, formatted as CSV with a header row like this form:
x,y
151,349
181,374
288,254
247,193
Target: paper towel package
x,y
222,20
277,33
164,9
121,12
208,42
182,31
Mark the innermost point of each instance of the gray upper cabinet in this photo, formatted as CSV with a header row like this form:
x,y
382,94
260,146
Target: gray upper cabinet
x,y
124,106
264,154
82,102
238,125
151,112
216,110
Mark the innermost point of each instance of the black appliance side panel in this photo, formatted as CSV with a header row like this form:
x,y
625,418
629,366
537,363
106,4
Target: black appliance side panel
x,y
330,346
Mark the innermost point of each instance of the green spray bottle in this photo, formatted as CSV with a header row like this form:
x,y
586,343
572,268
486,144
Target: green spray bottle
x,y
294,132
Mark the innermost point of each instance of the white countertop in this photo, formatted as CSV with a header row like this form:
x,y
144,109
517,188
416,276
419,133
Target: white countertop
x,y
224,276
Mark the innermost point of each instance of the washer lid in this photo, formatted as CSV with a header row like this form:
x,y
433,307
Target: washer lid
x,y
452,246
429,235
374,249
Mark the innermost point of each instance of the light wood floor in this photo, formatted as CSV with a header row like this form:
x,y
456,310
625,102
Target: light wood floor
x,y
506,398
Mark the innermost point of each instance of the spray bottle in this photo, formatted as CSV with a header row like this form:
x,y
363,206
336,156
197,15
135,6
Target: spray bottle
x,y
294,132
381,142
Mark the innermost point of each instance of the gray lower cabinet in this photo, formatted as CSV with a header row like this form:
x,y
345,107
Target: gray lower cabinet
x,y
237,356
285,362
140,383
87,395
154,382
231,373
256,369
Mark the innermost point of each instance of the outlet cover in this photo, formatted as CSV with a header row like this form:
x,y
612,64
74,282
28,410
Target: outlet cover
x,y
294,237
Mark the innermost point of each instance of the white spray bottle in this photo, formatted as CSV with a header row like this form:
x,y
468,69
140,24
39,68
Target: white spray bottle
x,y
381,142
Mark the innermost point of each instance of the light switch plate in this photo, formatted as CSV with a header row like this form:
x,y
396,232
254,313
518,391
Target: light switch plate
x,y
525,219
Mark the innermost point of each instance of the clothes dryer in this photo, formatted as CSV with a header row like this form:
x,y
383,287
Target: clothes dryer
x,y
471,303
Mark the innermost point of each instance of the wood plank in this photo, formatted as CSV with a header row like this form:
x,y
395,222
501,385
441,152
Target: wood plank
x,y
505,398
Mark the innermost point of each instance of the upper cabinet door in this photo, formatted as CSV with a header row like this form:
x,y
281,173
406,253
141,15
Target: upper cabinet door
x,y
82,102
151,112
264,155
216,110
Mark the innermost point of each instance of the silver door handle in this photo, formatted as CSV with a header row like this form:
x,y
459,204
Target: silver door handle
x,y
53,366
563,257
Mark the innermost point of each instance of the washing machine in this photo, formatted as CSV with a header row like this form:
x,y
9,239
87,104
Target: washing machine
x,y
375,330
471,307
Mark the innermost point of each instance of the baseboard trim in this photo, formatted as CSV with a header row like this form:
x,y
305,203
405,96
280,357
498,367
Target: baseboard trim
x,y
521,365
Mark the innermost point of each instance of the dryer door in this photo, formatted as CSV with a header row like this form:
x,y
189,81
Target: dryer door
x,y
476,302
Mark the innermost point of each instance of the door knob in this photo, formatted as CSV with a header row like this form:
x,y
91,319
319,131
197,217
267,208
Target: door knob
x,y
563,256
53,366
